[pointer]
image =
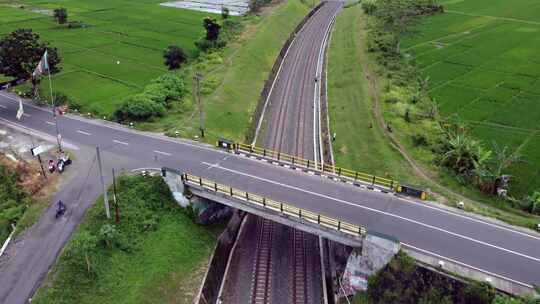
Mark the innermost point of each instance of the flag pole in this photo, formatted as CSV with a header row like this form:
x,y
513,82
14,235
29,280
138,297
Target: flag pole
x,y
58,140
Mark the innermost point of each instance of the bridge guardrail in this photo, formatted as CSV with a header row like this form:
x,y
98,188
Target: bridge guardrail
x,y
310,164
283,208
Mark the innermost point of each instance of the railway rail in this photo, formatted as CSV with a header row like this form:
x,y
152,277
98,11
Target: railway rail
x,y
295,129
262,273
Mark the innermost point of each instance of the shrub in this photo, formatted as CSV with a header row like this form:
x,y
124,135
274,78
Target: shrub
x,y
369,6
174,57
13,201
479,293
172,85
206,45
139,107
60,98
108,235
419,140
225,12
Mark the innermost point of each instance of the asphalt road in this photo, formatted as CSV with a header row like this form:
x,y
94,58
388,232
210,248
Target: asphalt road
x,y
499,250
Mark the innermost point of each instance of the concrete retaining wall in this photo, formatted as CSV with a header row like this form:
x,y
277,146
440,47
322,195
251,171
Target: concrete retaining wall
x,y
469,272
216,270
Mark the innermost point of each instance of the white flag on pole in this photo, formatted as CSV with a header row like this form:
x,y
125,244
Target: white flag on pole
x,y
20,112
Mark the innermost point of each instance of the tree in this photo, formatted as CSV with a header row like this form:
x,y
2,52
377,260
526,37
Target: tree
x,y
108,234
494,170
225,12
61,15
20,52
212,28
174,57
82,246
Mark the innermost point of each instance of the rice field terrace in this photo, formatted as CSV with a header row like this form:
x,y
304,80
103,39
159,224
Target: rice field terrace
x,y
482,58
117,50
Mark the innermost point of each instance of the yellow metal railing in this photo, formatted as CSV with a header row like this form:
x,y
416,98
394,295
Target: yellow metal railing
x,y
283,208
310,164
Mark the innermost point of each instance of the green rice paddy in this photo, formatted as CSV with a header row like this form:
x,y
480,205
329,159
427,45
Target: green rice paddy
x,y
117,52
483,61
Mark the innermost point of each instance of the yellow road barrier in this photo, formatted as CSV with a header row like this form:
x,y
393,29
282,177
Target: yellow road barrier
x,y
283,208
310,164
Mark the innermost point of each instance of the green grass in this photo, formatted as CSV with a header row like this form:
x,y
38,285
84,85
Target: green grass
x,y
483,63
159,256
133,33
234,77
359,144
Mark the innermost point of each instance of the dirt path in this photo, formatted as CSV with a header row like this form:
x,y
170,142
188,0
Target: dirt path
x,y
374,93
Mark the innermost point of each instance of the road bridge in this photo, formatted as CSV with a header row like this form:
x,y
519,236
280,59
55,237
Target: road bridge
x,y
491,248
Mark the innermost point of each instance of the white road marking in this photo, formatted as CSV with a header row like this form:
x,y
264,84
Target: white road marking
x,y
381,212
162,153
85,133
3,106
466,265
50,123
202,147
120,142
25,115
470,218
449,212
39,134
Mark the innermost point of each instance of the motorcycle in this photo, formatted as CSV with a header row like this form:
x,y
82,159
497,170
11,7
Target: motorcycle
x,y
63,161
60,209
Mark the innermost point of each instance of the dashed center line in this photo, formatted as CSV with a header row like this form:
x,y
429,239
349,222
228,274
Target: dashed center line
x,y
162,153
120,142
50,123
85,133
3,106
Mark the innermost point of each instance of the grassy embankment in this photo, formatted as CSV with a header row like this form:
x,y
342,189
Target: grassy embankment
x,y
359,144
156,254
352,96
116,54
235,76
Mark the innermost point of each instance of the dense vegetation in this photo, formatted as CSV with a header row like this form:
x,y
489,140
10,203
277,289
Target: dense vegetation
x,y
448,143
153,255
13,201
403,282
155,99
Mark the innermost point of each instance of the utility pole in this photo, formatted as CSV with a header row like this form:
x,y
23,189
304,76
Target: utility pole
x,y
105,198
41,165
198,77
117,209
58,136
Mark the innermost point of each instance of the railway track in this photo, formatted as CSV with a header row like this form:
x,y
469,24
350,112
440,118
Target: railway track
x,y
300,268
262,273
294,128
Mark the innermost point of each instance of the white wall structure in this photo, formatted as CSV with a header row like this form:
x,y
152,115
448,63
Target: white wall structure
x,y
236,7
